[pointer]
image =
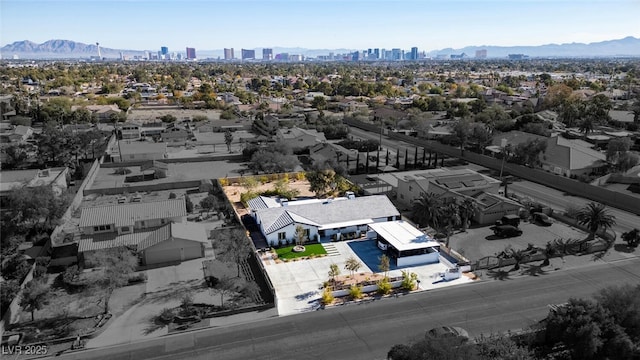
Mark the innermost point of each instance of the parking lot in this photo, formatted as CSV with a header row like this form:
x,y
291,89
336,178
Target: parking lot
x,y
477,243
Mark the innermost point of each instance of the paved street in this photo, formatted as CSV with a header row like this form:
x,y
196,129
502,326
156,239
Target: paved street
x,y
367,331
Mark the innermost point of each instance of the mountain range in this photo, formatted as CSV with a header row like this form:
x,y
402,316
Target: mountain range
x,y
58,49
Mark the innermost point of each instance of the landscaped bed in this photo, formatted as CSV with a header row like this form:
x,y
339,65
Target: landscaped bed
x,y
311,250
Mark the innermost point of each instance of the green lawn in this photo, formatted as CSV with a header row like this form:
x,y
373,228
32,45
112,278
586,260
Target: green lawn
x,y
287,252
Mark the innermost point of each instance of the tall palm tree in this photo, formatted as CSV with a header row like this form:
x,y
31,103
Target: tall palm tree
x,y
426,207
448,218
549,251
595,216
519,256
468,209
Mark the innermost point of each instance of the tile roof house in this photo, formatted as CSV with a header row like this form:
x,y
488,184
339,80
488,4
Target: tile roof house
x,y
125,218
101,112
165,244
570,158
321,218
299,138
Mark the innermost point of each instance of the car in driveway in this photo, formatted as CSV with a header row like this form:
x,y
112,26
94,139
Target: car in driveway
x,y
541,218
506,231
511,219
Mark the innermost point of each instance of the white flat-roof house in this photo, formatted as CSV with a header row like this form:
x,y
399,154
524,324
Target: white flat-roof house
x,y
405,244
129,150
322,219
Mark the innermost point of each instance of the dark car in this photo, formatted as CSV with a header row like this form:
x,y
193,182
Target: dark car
x,y
542,219
449,331
505,231
513,220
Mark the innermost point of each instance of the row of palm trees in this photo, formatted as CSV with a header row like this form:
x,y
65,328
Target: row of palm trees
x,y
447,213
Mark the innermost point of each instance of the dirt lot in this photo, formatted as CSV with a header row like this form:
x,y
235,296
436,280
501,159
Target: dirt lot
x,y
234,190
180,114
480,242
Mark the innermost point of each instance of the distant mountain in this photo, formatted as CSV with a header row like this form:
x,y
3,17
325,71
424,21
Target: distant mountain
x,y
57,49
628,46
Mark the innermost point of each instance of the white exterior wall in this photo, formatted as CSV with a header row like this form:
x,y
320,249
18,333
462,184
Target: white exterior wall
x,y
430,258
290,231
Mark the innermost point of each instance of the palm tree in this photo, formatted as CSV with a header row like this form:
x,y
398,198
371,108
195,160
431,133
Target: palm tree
x,y
519,256
425,208
449,217
352,265
595,216
468,209
549,251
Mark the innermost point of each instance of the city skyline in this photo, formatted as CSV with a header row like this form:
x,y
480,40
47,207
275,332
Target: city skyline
x,y
350,24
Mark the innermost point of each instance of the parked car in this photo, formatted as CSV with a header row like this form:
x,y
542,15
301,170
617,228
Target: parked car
x,y
449,331
513,220
505,231
541,219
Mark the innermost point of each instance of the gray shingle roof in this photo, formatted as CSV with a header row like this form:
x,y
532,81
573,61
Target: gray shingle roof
x,y
338,211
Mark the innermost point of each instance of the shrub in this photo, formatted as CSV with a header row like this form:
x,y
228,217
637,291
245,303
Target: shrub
x,y
246,196
264,179
327,296
223,181
137,278
172,195
409,280
300,176
384,286
122,171
166,316
355,292
572,211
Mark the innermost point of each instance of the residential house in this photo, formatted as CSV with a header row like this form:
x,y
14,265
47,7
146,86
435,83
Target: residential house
x,y
443,182
176,133
353,105
570,158
322,219
16,134
299,138
493,207
165,244
54,177
130,131
102,113
406,245
126,218
125,151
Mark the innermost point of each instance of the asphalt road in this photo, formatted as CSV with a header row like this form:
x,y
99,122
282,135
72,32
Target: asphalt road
x,y
368,330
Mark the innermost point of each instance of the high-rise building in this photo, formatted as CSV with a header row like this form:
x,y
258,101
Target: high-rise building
x,y
396,54
191,53
481,54
164,50
228,54
267,54
376,54
414,53
248,54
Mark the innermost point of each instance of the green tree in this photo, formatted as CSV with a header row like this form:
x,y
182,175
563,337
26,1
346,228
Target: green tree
x,y
225,286
384,265
228,139
334,270
8,292
467,208
352,265
518,256
116,264
236,247
548,251
188,204
301,235
425,208
209,203
321,182
34,296
595,217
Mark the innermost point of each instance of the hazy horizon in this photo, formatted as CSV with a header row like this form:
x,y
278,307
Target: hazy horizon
x,y
317,24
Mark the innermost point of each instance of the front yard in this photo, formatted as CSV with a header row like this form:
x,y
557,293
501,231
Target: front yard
x,y
310,250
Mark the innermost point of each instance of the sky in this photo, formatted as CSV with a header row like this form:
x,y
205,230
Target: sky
x,y
317,24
